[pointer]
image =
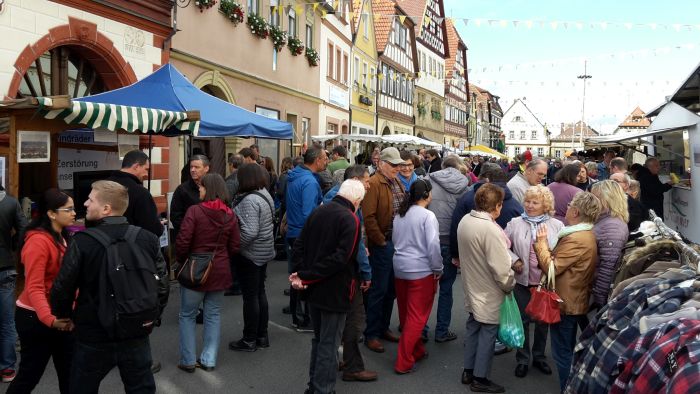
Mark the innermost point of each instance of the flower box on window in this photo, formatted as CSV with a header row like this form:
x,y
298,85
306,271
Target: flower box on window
x,y
295,46
258,26
232,10
203,4
278,37
312,56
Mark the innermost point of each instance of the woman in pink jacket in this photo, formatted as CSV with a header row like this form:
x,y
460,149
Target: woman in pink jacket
x,y
41,334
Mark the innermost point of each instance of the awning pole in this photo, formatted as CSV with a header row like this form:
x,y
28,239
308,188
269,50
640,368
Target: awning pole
x,y
150,152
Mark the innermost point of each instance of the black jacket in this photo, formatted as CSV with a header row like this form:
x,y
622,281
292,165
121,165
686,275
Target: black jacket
x,y
11,218
435,165
142,210
652,191
638,213
80,272
186,195
324,255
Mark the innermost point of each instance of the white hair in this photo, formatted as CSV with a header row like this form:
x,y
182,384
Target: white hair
x,y
352,189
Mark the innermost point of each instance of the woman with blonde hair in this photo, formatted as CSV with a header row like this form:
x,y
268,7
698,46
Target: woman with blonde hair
x,y
574,260
522,232
611,234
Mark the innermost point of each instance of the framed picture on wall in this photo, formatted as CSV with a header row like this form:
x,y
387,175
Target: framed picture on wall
x,y
33,146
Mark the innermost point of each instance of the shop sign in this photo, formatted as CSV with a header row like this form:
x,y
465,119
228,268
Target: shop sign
x,y
134,42
338,96
88,137
78,160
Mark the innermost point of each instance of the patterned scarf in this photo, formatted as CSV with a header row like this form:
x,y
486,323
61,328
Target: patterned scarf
x,y
397,194
534,222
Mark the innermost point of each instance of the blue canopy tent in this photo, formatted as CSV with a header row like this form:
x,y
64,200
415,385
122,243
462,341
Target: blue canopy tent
x,y
168,89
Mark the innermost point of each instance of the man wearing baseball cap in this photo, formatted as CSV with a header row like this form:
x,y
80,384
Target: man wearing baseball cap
x,y
380,205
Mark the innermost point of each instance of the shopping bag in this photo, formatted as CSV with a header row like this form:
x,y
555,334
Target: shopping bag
x,y
510,327
544,301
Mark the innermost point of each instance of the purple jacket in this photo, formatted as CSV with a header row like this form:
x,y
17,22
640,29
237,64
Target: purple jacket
x,y
611,235
563,194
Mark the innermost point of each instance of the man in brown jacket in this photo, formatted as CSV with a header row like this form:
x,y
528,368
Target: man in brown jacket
x,y
379,207
574,258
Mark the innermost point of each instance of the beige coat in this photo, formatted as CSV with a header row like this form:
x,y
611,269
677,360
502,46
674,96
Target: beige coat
x,y
485,264
575,260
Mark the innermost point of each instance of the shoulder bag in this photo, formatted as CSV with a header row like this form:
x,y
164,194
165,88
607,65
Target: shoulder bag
x,y
194,272
544,301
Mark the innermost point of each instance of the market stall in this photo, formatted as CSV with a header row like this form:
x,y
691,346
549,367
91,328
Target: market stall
x,y
674,139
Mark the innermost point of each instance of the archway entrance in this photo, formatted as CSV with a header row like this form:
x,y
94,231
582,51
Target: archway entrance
x,y
386,131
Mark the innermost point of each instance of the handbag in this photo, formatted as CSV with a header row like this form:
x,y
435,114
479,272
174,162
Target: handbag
x,y
544,301
195,271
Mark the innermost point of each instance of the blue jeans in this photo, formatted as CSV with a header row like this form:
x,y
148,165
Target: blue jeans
x,y
444,307
323,365
563,336
381,295
8,334
189,306
93,361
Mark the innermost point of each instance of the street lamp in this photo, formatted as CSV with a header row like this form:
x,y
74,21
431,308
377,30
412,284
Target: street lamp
x,y
583,77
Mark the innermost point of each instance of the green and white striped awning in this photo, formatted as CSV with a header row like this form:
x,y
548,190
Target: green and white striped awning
x,y
119,117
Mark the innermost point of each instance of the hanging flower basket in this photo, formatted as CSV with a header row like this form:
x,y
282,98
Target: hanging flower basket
x,y
258,26
279,37
295,46
421,109
312,56
436,115
202,4
232,10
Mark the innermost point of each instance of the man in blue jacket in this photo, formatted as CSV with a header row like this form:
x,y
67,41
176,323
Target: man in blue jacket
x,y
303,196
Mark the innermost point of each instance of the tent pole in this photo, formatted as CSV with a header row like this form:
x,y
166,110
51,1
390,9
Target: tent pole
x,y
150,153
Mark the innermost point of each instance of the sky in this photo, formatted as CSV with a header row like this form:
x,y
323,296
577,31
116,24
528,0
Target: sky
x,y
642,54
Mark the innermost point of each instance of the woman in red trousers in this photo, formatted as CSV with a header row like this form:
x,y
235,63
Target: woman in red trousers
x,y
417,268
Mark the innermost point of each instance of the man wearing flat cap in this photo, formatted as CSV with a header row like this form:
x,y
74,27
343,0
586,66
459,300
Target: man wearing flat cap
x,y
380,205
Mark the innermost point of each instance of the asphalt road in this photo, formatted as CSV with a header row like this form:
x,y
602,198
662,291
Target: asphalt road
x,y
283,367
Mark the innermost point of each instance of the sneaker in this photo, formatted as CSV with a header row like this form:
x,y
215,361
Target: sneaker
x,y
500,348
8,375
450,336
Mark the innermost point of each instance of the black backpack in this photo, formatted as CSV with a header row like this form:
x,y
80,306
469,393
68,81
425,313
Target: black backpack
x,y
127,303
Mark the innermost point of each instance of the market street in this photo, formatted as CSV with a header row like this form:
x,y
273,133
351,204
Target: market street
x,y
283,367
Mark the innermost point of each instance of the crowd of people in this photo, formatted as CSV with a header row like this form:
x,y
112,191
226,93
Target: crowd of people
x,y
395,227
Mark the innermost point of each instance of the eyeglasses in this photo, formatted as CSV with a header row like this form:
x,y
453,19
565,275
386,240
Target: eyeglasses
x,y
392,164
65,209
405,165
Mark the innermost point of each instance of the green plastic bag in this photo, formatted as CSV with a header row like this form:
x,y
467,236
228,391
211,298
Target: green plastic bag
x,y
510,328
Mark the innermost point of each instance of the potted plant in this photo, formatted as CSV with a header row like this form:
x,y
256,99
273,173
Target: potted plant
x,y
421,109
258,26
436,115
278,37
232,10
202,4
295,46
312,56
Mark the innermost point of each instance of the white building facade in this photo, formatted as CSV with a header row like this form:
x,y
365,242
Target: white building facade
x,y
523,131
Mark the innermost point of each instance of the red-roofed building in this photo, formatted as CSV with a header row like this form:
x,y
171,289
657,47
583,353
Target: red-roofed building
x,y
456,90
395,35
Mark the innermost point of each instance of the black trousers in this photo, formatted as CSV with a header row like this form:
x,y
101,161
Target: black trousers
x,y
354,325
39,344
255,308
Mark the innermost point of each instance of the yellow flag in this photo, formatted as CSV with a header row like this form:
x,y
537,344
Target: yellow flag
x,y
315,6
427,20
380,76
298,9
402,18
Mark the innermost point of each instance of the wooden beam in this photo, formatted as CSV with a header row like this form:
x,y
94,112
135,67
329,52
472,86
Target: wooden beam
x,y
40,72
193,115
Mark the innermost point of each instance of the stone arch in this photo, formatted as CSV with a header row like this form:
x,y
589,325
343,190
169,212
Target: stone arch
x,y
386,131
214,81
115,71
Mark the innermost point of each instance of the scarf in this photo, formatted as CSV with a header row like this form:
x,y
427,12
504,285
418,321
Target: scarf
x,y
407,182
534,221
568,230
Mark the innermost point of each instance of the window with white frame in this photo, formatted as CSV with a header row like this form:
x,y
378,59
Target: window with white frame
x,y
338,64
292,27
274,14
385,77
534,135
540,152
557,153
309,36
522,135
329,65
372,78
346,66
332,128
391,81
511,135
409,86
365,19
365,75
402,36
253,7
517,150
356,70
